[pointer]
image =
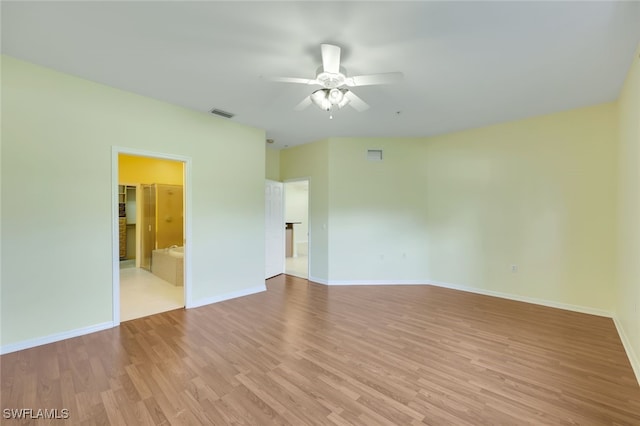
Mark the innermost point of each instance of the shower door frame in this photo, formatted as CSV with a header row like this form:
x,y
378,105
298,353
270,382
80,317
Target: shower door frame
x,y
147,236
187,200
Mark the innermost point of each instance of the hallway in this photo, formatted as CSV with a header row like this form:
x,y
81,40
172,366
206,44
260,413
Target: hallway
x,y
297,266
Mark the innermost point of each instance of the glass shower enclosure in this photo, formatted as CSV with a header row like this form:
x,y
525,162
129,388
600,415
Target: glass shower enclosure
x,y
162,219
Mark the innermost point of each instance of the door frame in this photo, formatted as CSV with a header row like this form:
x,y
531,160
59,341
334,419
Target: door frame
x,y
187,207
309,236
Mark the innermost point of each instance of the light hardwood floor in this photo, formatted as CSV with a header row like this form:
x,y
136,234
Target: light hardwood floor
x,y
303,353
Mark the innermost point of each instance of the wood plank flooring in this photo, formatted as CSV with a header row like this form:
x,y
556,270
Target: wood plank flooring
x,y
307,354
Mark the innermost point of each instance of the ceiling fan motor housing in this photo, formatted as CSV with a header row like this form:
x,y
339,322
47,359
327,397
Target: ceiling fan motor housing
x,y
331,80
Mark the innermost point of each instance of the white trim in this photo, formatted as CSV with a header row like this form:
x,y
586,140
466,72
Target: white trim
x,y
293,274
633,358
376,282
38,341
115,240
318,280
188,231
115,150
552,304
228,296
535,301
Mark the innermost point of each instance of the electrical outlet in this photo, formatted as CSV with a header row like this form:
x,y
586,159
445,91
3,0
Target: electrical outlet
x,y
514,268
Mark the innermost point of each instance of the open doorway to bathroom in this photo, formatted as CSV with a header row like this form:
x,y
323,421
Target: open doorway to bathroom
x,y
151,230
296,213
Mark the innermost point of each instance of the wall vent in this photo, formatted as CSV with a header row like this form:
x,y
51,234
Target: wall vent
x,y
221,113
374,154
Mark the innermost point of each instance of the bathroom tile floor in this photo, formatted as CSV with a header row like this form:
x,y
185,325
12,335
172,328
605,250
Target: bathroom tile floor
x,y
297,266
143,294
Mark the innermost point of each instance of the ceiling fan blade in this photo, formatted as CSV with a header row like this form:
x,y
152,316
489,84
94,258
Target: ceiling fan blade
x,y
372,79
330,58
302,105
292,80
355,101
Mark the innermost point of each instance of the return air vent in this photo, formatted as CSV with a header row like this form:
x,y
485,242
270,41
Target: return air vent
x,y
221,113
374,154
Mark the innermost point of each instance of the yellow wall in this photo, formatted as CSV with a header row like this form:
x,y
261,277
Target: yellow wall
x,y
628,292
58,158
311,161
272,165
134,169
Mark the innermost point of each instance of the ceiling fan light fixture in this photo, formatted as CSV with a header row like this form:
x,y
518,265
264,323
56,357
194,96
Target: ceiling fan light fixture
x,y
325,99
335,96
321,100
332,77
343,99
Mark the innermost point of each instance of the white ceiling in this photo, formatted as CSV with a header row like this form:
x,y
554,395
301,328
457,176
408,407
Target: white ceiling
x,y
466,64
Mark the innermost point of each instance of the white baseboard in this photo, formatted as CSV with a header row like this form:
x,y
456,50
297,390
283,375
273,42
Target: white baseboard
x,y
26,344
228,296
318,280
38,341
543,302
377,282
552,304
633,358
293,274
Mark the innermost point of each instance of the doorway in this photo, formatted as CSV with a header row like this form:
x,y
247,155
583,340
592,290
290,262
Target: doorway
x,y
296,201
152,255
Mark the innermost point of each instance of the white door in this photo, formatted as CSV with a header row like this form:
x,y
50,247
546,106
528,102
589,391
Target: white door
x,y
274,225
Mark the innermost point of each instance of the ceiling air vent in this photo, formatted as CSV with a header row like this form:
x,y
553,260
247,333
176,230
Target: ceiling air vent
x,y
221,113
374,154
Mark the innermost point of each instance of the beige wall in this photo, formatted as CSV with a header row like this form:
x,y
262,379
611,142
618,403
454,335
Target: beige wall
x,y
628,292
538,193
460,209
272,165
377,222
311,161
57,138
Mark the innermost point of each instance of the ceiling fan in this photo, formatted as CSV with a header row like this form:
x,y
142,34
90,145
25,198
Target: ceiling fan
x,y
335,92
